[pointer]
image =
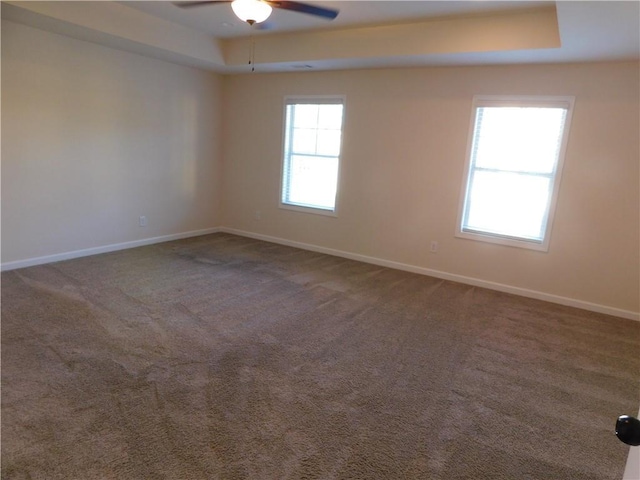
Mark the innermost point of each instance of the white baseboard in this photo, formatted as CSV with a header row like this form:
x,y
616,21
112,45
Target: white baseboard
x,y
547,297
571,302
30,262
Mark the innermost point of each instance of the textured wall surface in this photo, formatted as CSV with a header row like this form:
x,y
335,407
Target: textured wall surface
x,y
93,138
405,141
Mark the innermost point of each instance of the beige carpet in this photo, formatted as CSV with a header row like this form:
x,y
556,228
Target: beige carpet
x,y
221,357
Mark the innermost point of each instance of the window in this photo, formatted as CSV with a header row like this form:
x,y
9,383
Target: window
x,y
514,162
312,140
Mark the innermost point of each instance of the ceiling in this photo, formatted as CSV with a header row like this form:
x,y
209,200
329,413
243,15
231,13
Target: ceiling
x,y
220,21
366,34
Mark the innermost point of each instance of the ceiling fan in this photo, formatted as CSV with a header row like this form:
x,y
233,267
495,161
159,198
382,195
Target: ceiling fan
x,y
256,11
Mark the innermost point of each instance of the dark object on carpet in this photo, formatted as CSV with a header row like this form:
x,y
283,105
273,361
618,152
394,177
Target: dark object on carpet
x,y
222,357
628,430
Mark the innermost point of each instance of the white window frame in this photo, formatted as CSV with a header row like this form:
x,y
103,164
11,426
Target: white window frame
x,y
516,101
317,100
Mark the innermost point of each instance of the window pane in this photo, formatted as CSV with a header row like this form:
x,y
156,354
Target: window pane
x,y
522,139
306,116
330,117
329,142
312,181
304,140
508,204
311,153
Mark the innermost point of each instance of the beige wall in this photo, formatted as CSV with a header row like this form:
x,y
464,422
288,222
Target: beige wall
x,y
404,149
93,137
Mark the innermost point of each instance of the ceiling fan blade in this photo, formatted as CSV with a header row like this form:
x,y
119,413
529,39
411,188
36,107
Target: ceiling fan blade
x,y
300,7
199,3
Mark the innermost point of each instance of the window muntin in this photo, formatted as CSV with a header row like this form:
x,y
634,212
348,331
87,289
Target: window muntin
x,y
513,169
312,142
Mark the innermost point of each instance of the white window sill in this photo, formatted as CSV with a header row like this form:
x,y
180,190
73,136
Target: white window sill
x,y
506,241
312,210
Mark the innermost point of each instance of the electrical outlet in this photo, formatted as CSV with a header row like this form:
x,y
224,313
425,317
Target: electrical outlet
x,y
434,246
258,215
142,221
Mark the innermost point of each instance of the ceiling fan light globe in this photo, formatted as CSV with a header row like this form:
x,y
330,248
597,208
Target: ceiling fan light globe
x,y
251,11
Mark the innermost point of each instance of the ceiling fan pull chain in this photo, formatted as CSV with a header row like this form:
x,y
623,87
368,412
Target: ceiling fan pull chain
x,y
252,54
